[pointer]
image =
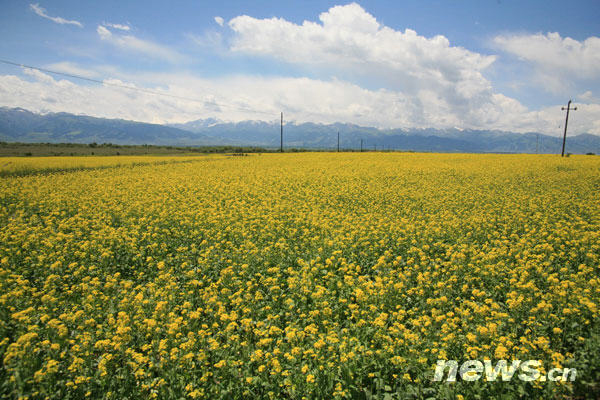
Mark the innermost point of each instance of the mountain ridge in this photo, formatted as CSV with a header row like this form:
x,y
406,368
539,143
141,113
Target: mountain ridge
x,y
318,135
20,125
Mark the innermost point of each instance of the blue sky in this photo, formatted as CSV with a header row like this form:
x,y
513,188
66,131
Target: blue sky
x,y
470,64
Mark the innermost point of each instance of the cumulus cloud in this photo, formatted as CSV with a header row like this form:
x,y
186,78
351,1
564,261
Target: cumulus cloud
x,y
237,98
553,52
361,71
137,45
348,37
557,63
38,75
445,81
232,98
42,13
219,20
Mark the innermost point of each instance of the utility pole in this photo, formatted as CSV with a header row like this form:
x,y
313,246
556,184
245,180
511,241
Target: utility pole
x,y
537,143
562,154
361,145
338,141
281,138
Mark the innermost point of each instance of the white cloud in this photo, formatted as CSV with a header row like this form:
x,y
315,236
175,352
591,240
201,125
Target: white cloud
x,y
557,64
370,74
104,33
236,98
209,39
349,38
219,20
588,97
445,82
553,52
552,119
71,68
122,27
42,13
75,69
38,75
134,44
232,98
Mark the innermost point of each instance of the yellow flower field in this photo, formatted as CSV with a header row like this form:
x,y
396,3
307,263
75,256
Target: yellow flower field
x,y
17,166
312,275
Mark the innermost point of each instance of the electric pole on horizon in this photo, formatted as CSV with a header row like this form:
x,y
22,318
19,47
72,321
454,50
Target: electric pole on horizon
x,y
568,108
281,137
361,145
338,149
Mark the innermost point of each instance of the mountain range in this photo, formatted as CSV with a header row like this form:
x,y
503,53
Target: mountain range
x,y
19,125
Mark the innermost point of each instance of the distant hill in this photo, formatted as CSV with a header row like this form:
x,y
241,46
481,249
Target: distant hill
x,y
321,136
19,125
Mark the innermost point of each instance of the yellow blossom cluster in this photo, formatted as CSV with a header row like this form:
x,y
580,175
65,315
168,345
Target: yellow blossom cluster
x,y
20,166
309,275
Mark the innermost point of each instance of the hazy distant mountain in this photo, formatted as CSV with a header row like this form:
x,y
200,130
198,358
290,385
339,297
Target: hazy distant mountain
x,y
323,136
198,124
18,125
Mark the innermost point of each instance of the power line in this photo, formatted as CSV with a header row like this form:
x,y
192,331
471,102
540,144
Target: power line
x,y
99,81
204,102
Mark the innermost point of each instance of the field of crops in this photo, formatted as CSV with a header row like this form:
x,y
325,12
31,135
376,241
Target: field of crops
x,y
20,166
298,276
